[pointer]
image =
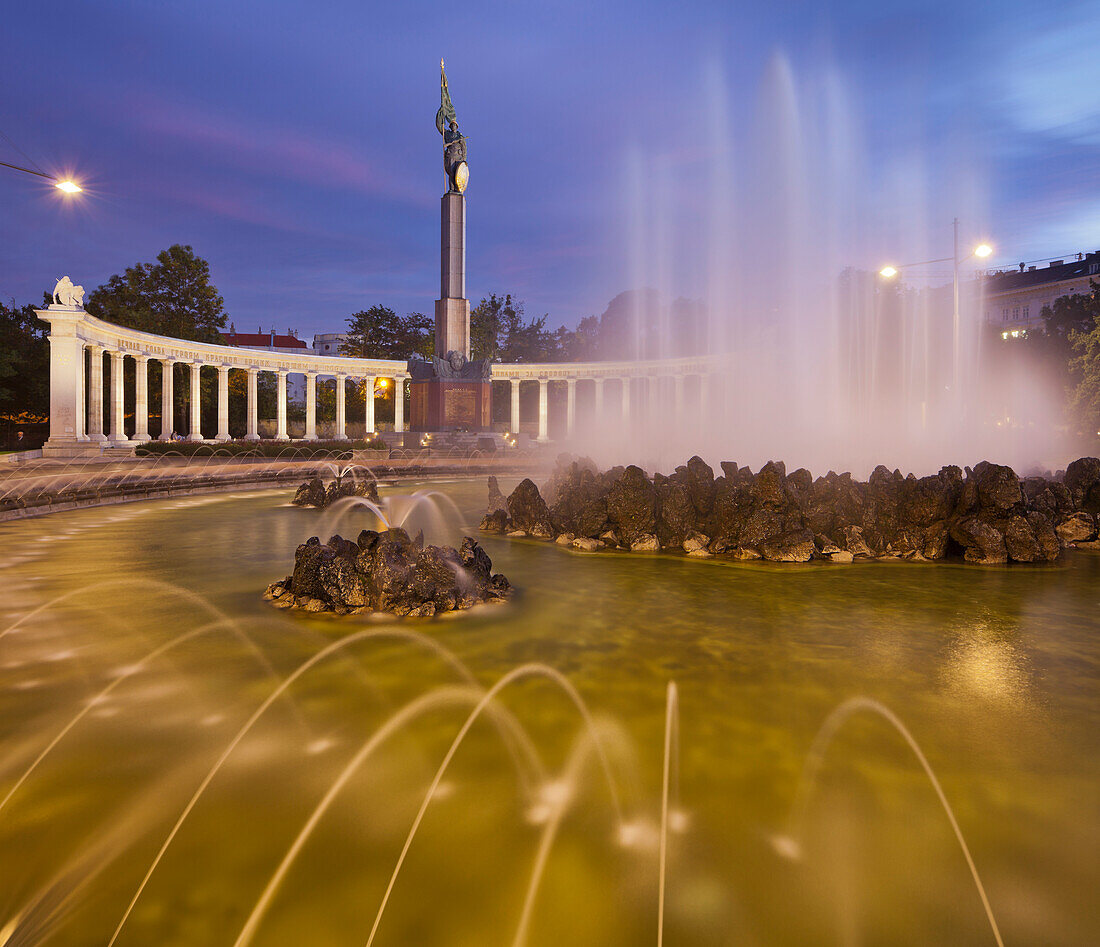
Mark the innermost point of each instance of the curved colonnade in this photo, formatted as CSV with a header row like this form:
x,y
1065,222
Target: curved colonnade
x,y
79,340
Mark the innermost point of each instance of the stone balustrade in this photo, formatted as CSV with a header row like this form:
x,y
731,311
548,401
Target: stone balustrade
x,y
79,340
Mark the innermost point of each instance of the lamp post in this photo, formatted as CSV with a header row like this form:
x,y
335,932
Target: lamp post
x,y
68,186
982,250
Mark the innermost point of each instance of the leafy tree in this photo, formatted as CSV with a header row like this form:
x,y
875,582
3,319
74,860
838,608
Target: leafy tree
x,y
172,297
24,363
1084,366
581,344
379,332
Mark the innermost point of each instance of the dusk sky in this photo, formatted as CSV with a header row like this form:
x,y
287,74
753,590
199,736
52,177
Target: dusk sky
x,y
293,145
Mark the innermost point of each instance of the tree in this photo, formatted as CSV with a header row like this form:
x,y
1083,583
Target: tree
x,y
24,364
1084,366
172,297
379,332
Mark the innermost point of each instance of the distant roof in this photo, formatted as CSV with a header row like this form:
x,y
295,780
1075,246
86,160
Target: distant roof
x,y
1054,273
263,340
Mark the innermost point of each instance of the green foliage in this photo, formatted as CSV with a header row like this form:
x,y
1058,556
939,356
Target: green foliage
x,y
379,332
1082,315
172,297
24,362
499,330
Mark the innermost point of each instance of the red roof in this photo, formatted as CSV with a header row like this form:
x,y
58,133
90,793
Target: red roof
x,y
263,340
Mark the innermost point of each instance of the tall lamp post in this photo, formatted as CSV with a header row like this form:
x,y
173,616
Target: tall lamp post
x,y
67,185
982,250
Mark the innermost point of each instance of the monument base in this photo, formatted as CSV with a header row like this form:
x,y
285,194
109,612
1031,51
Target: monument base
x,y
446,404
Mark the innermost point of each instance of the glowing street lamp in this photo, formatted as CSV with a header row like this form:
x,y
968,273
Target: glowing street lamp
x,y
68,186
982,250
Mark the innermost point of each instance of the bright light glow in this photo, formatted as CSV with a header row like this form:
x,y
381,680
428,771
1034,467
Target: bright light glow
x,y
69,187
888,272
383,382
983,250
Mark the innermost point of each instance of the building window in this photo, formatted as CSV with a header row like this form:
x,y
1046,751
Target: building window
x,y
1004,315
1027,309
1015,313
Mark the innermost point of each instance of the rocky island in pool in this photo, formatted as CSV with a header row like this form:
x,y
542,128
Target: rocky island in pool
x,y
315,493
388,572
985,515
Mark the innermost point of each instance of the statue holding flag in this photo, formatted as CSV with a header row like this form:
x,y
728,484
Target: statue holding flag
x,y
454,144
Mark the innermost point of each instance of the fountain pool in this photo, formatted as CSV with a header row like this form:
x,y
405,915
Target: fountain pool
x,y
144,794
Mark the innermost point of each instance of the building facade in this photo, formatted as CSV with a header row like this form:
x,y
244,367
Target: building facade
x,y
1014,299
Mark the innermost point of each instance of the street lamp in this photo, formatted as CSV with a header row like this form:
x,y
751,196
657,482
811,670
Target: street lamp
x,y
982,250
68,186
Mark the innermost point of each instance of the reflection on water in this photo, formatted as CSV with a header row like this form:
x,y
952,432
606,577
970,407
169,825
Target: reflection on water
x,y
126,701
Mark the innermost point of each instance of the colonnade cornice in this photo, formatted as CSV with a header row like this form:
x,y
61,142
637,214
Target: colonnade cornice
x,y
91,330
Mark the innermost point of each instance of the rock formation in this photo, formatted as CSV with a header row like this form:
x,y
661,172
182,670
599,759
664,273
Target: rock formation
x,y
388,572
985,515
315,493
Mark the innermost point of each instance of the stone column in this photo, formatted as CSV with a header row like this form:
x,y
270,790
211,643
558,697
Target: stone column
x,y
598,410
653,392
626,398
195,433
704,391
368,406
341,407
252,421
66,375
679,398
141,398
95,393
570,405
544,410
167,399
118,405
81,397
399,404
311,406
223,404
514,386
280,408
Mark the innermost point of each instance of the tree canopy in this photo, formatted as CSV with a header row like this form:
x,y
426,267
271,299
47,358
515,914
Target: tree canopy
x,y
379,332
1084,365
24,362
173,297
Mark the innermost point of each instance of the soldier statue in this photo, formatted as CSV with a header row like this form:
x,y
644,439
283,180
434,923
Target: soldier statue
x,y
454,143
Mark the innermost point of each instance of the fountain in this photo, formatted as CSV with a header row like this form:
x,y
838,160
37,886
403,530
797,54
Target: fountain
x,y
185,764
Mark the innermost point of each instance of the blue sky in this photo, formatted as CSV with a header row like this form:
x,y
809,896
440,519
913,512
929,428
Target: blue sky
x,y
293,144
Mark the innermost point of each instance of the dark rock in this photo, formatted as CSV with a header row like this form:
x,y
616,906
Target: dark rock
x,y
982,542
495,522
1020,541
497,500
794,546
631,505
1077,528
699,481
1082,480
389,572
769,487
527,509
315,493
998,488
310,494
